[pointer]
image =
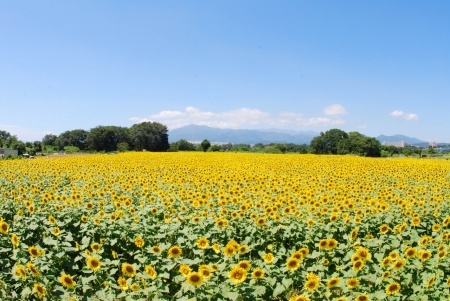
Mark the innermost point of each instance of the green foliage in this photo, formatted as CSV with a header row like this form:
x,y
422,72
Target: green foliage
x,y
106,138
336,141
74,137
151,136
183,145
49,140
70,149
205,145
123,147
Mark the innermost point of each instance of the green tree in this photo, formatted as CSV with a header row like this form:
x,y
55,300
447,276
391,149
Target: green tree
x,y
74,138
184,145
49,140
205,145
327,143
123,147
151,136
106,138
4,135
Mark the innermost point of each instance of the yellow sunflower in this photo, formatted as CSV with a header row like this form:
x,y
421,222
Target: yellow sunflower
x,y
40,290
175,252
352,282
392,288
150,271
128,270
194,278
122,282
202,243
32,268
93,263
292,264
333,281
67,281
257,273
139,242
237,275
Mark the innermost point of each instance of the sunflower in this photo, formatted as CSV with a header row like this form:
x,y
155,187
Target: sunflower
x,y
15,241
399,264
205,271
216,248
229,250
430,281
424,255
392,288
312,284
34,251
122,282
384,229
358,265
386,275
257,273
352,282
332,243
139,242
175,252
184,269
32,268
194,278
362,297
410,252
243,249
333,282
67,281
323,244
150,272
128,270
93,263
56,231
202,243
292,264
299,298
415,221
363,253
4,227
40,290
268,257
298,255
261,221
156,249
135,287
20,272
237,275
96,247
244,264
354,234
51,220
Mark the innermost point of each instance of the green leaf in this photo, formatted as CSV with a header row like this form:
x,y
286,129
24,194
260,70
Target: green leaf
x,y
278,289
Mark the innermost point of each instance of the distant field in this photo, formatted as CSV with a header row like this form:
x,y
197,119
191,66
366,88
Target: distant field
x,y
224,226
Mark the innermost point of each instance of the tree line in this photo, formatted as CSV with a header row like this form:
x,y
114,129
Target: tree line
x,y
153,136
150,136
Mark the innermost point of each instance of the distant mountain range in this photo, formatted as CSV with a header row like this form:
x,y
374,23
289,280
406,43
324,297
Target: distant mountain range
x,y
197,133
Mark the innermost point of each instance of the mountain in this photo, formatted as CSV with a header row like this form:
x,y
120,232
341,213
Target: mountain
x,y
398,138
200,132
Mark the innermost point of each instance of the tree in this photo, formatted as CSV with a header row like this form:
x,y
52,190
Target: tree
x,y
151,136
205,145
49,140
327,143
106,138
3,137
184,145
74,138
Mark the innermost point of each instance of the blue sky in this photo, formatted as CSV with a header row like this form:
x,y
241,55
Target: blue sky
x,y
377,67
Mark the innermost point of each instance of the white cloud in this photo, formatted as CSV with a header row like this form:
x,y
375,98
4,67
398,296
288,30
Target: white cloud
x,y
397,113
411,116
238,118
335,109
406,116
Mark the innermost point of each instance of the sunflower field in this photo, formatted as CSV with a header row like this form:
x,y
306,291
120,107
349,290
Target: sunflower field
x,y
224,226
